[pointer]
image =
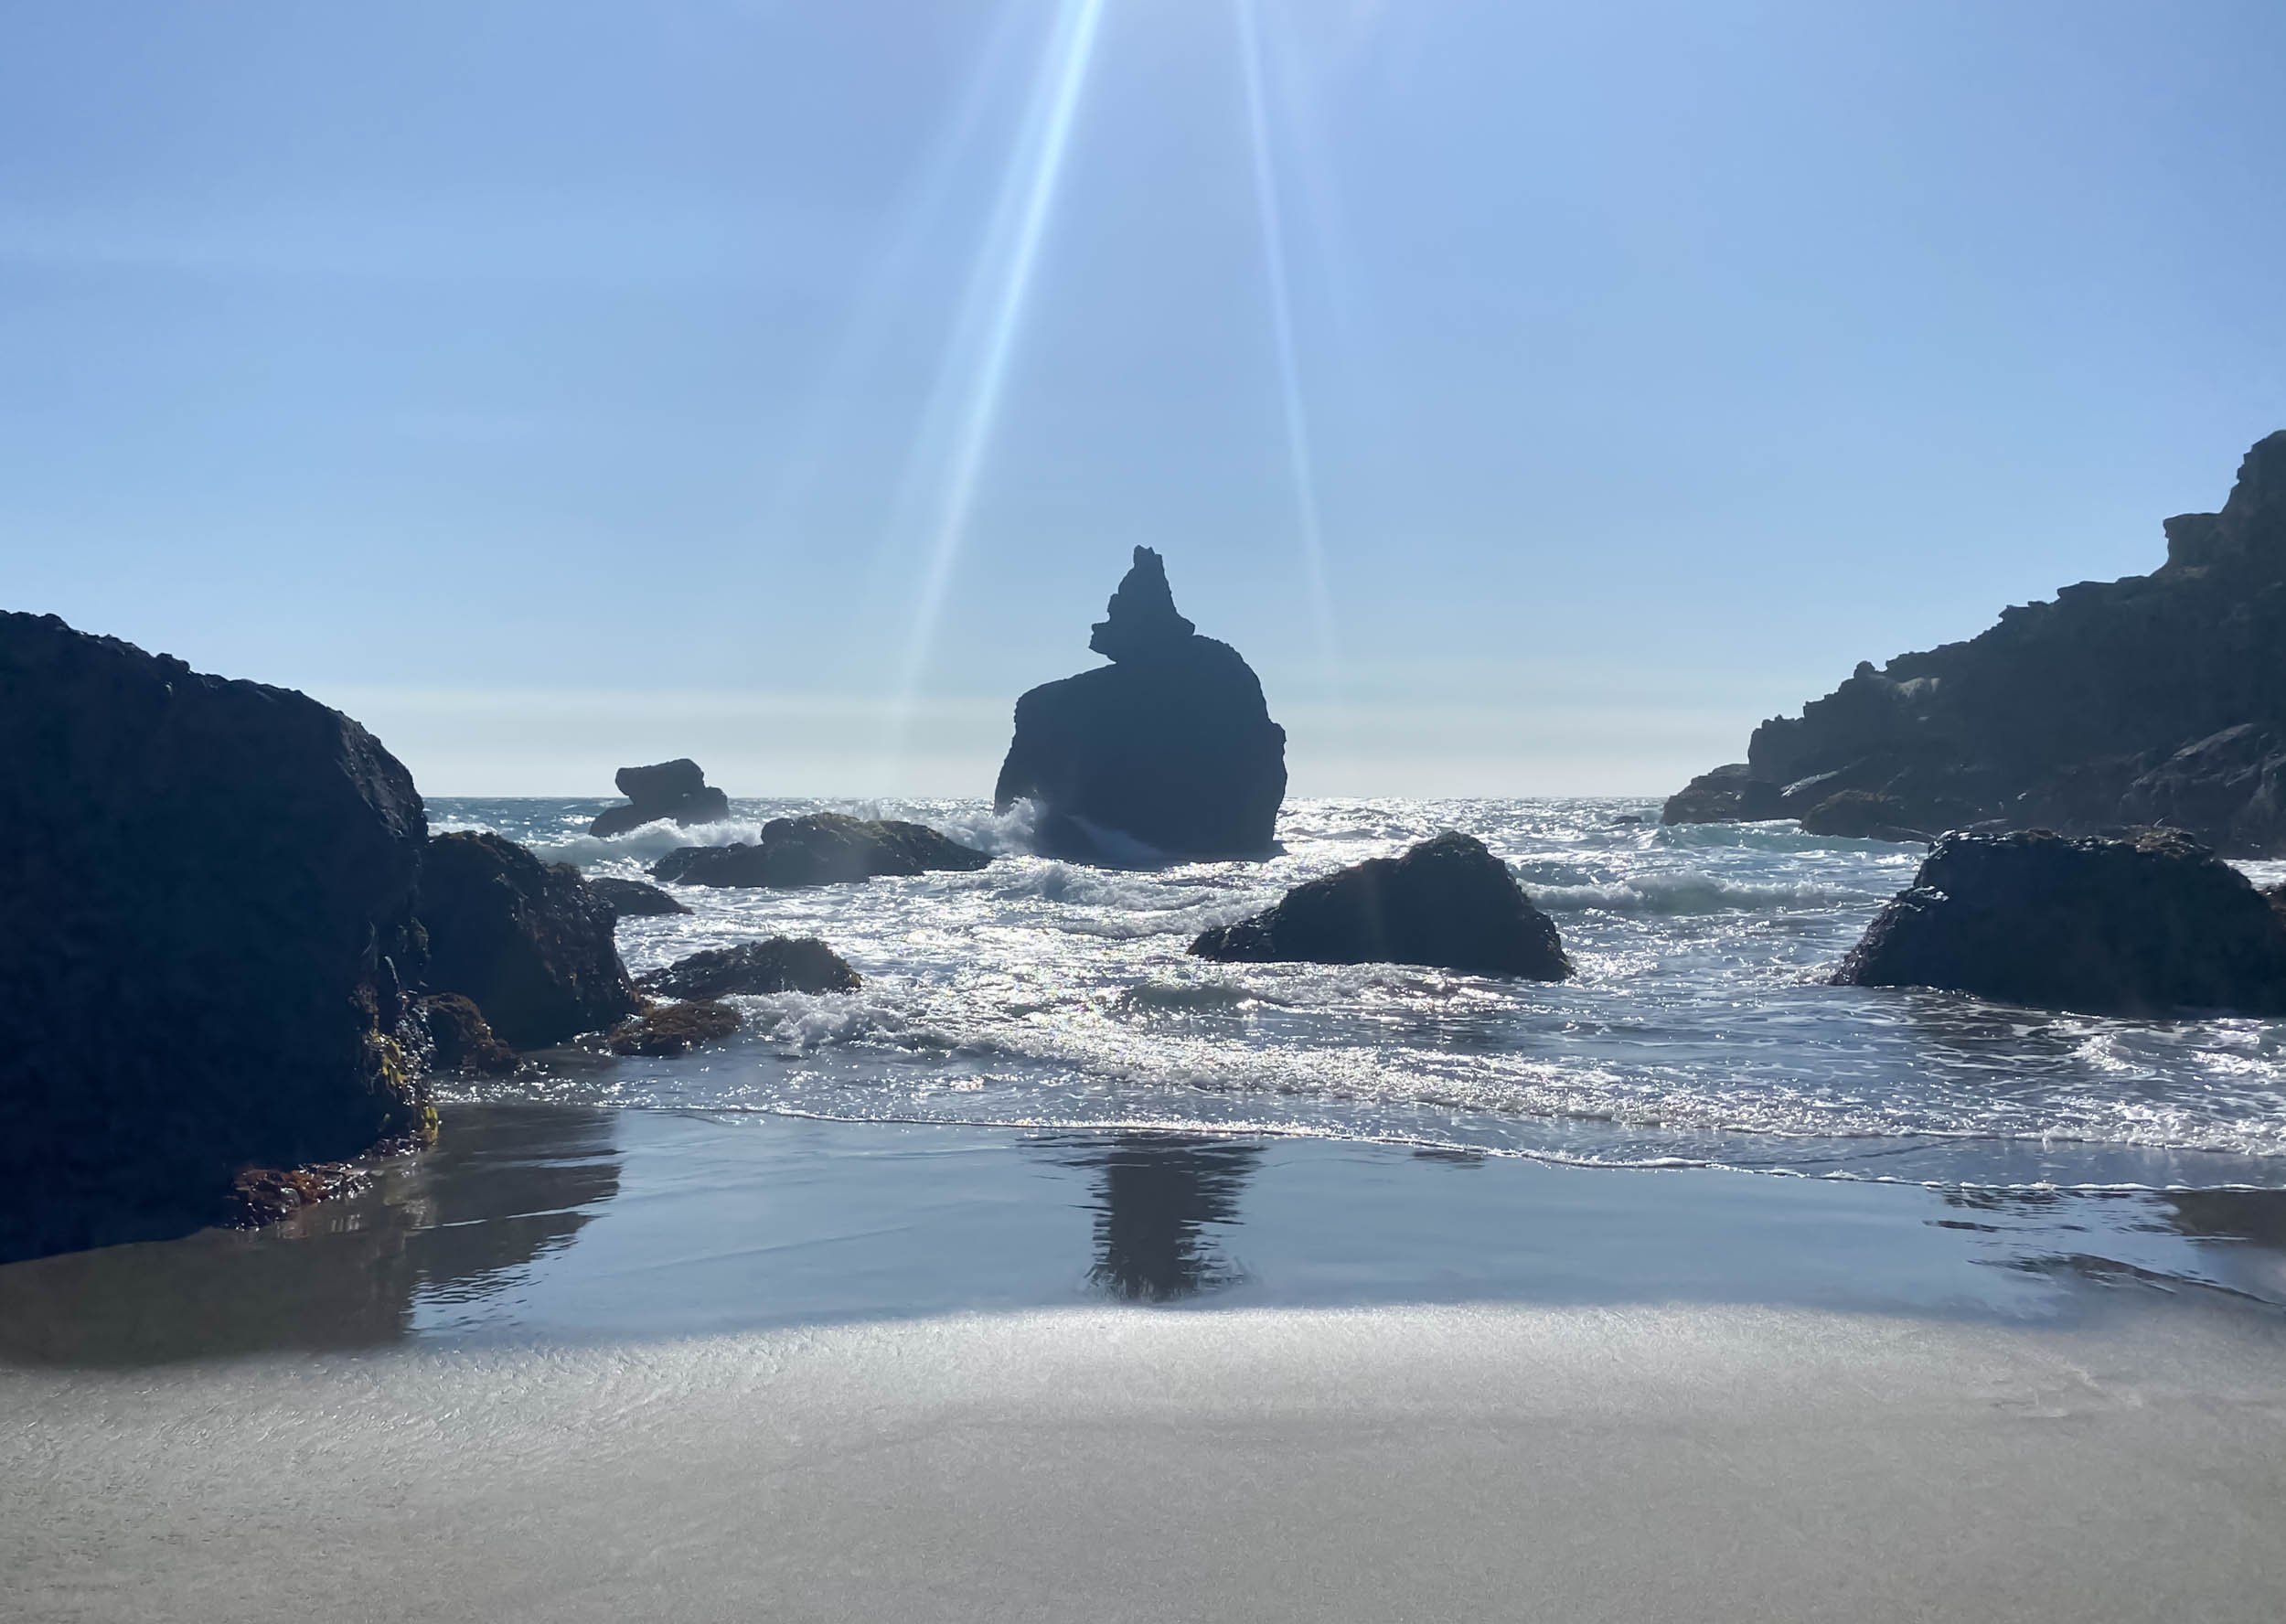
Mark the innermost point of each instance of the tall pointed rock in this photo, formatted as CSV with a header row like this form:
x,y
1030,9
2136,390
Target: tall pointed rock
x,y
1168,753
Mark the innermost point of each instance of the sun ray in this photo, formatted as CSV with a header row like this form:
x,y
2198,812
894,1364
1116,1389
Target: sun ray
x,y
986,340
1301,464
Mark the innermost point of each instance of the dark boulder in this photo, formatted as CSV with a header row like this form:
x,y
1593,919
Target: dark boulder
x,y
632,899
1863,815
674,1029
1726,795
782,964
672,792
461,1038
2147,924
1168,752
530,943
820,849
2158,697
209,893
1447,902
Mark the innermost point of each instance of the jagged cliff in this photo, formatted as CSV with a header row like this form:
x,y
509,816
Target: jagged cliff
x,y
2159,699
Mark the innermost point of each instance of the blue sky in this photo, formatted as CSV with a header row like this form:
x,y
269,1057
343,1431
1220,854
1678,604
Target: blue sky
x,y
559,385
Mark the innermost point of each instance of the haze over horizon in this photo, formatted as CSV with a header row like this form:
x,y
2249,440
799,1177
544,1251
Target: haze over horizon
x,y
1538,396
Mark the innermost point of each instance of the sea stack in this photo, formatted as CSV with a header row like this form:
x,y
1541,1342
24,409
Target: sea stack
x,y
669,791
2159,699
1168,753
209,893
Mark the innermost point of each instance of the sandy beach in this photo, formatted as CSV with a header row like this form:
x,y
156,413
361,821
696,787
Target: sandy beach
x,y
584,1364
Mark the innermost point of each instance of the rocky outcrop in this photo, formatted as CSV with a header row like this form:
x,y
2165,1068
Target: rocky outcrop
x,y
1863,815
2158,696
529,942
671,792
1447,902
632,899
1168,752
208,889
820,849
2148,924
462,1040
782,964
1726,795
667,1029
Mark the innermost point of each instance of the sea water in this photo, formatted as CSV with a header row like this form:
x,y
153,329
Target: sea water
x,y
1698,1029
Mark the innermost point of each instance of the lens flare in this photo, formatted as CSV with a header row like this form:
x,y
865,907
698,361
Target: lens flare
x,y
986,338
1301,464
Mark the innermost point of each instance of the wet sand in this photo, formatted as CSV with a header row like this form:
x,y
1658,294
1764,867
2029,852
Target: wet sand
x,y
592,1366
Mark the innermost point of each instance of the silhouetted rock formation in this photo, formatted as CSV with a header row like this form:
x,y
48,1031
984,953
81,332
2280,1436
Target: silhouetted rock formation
x,y
674,791
782,964
529,942
1171,749
821,848
2161,697
2147,924
209,893
632,899
461,1039
1447,902
674,1029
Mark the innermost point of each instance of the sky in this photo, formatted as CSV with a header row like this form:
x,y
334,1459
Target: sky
x,y
1538,395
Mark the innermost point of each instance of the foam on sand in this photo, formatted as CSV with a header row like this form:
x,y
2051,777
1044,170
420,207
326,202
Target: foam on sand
x,y
1590,1464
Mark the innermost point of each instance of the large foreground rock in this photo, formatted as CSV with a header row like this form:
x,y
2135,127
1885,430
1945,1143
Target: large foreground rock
x,y
2145,925
1168,750
529,942
820,849
671,792
2160,698
207,895
1447,902
782,964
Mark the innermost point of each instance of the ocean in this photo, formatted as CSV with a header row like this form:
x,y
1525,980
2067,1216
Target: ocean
x,y
1042,995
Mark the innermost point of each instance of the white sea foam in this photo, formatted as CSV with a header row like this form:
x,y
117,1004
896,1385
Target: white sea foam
x,y
1697,1030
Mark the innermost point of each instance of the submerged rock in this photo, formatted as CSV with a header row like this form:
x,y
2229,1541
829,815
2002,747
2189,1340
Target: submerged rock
x,y
820,849
2147,924
782,964
674,1029
2159,698
461,1039
530,943
1447,902
1168,750
673,792
632,899
208,889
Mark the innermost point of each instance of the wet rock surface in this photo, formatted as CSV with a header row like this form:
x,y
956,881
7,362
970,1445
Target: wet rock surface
x,y
1447,902
2151,923
821,848
1168,753
632,899
667,1029
528,943
462,1040
210,895
2159,698
673,792
782,964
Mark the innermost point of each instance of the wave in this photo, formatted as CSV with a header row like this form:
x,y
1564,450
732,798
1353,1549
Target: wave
x,y
1678,894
